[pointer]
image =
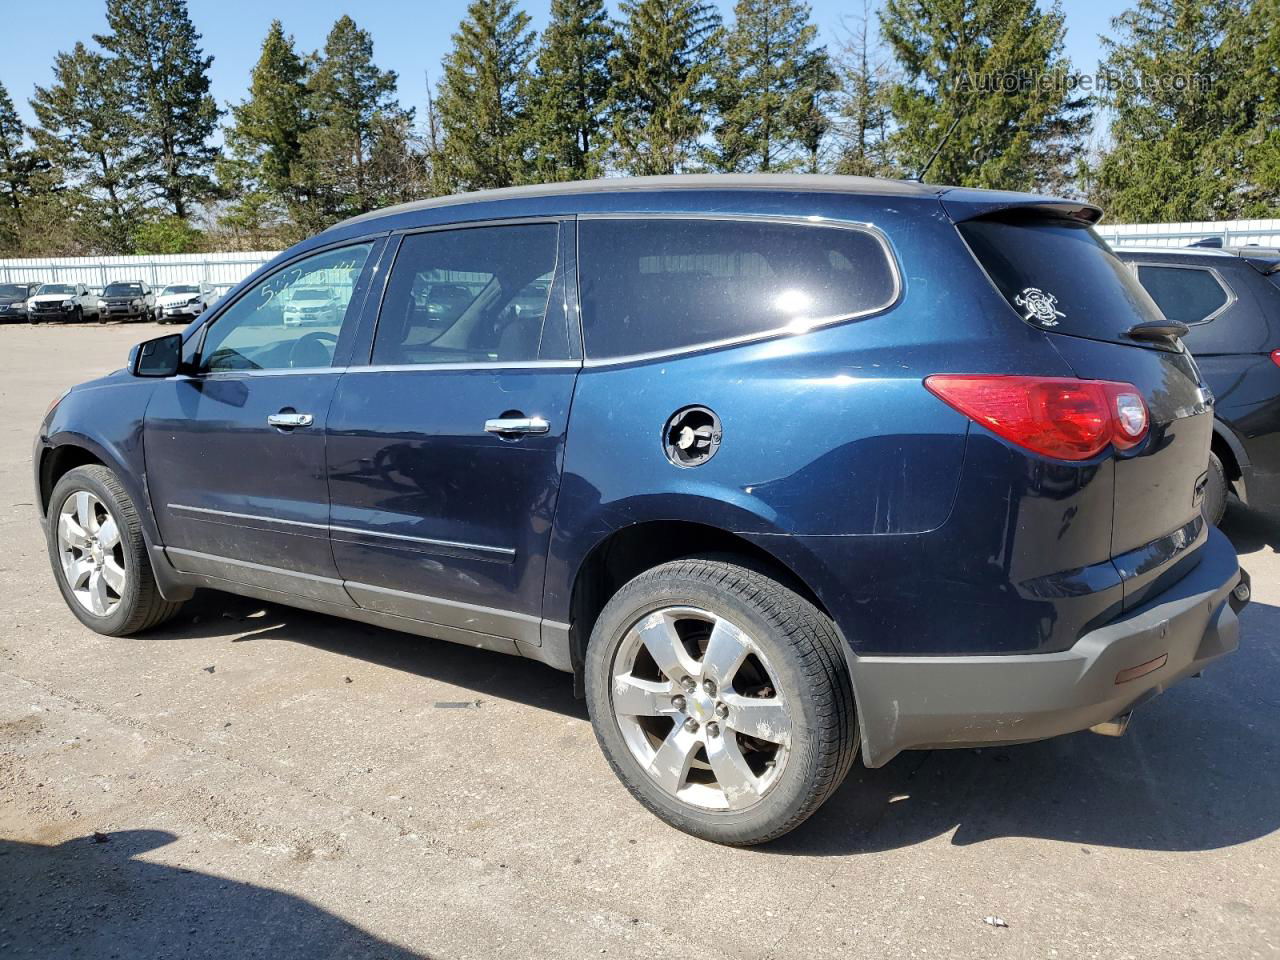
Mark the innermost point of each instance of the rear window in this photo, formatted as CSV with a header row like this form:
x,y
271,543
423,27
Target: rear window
x,y
655,285
1060,276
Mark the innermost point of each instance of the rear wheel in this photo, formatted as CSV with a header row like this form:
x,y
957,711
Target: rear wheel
x,y
1215,492
99,556
721,699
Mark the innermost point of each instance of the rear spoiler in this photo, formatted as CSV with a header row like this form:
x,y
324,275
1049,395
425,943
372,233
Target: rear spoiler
x,y
963,204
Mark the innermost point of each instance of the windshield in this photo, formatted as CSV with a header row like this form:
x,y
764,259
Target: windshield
x,y
123,290
181,288
62,288
12,291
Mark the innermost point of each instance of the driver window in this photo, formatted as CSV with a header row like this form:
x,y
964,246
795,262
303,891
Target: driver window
x,y
291,319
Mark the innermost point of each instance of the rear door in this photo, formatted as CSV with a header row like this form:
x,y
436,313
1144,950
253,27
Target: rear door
x,y
235,451
1061,278
444,452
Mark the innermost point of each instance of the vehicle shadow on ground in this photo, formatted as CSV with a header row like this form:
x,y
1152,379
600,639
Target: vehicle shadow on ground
x,y
1199,769
84,898
1250,530
242,620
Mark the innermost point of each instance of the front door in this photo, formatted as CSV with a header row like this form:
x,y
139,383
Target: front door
x,y
445,452
235,451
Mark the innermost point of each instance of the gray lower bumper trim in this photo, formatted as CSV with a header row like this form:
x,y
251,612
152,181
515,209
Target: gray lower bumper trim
x,y
928,702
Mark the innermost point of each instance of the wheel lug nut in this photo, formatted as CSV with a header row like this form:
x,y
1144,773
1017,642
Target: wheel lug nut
x,y
688,684
678,702
691,725
713,729
710,687
722,710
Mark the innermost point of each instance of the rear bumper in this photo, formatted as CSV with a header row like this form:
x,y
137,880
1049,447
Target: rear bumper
x,y
931,702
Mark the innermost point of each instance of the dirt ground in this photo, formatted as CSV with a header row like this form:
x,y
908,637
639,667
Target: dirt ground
x,y
253,781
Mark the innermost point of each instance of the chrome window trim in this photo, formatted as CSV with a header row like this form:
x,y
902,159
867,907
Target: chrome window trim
x,y
506,552
1212,271
477,365
785,219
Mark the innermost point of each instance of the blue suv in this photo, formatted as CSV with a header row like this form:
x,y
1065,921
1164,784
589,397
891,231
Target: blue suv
x,y
781,469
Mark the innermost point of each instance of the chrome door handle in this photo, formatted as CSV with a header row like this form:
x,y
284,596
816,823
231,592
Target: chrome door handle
x,y
516,425
290,420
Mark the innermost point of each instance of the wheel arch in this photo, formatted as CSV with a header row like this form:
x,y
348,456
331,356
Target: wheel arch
x,y
628,551
1228,448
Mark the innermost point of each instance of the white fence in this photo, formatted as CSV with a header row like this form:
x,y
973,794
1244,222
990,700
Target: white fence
x,y
223,270
1265,233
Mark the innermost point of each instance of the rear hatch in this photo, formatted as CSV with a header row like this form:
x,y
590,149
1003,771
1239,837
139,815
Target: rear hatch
x,y
1061,278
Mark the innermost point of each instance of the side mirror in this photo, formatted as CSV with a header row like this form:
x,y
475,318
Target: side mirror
x,y
160,357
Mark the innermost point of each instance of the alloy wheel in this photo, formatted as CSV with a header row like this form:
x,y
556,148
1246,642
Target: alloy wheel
x,y
92,553
700,708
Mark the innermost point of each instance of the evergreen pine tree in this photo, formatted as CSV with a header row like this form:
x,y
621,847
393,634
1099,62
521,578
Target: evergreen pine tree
x,y
86,133
1259,33
662,76
166,81
350,99
967,60
770,88
20,170
569,93
264,140
482,102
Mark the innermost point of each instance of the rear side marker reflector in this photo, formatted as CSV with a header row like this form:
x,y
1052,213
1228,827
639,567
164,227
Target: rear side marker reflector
x,y
1059,417
1142,669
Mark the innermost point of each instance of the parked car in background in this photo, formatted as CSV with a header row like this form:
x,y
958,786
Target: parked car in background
x,y
183,302
127,300
1229,299
70,302
312,305
13,301
727,449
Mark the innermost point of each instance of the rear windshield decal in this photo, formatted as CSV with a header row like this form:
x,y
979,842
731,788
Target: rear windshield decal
x,y
1040,306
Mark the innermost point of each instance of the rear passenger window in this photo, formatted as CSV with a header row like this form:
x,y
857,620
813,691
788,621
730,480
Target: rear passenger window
x,y
1187,294
475,295
652,285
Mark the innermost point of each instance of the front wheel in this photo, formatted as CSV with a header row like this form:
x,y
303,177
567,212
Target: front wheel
x,y
721,699
99,556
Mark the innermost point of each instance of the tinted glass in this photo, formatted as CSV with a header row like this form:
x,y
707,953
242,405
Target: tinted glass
x,y
52,288
11,291
1186,294
650,285
1060,276
123,290
265,330
469,296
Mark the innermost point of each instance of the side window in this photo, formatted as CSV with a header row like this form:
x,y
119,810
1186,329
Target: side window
x,y
471,295
1187,294
291,319
650,285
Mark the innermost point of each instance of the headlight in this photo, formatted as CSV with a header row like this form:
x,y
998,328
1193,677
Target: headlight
x,y
137,303
102,304
68,304
193,301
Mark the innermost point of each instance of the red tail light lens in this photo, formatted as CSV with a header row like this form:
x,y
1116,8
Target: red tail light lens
x,y
1055,416
1275,357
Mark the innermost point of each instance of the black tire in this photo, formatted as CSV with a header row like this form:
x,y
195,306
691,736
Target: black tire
x,y
140,607
807,664
77,315
1214,504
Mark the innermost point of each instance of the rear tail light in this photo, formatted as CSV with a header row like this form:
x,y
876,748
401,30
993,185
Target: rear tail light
x,y
1055,416
1275,357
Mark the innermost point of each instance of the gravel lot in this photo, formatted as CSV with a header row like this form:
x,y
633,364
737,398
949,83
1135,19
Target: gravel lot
x,y
253,781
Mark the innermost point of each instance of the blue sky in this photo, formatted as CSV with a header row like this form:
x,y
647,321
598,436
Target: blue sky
x,y
410,36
